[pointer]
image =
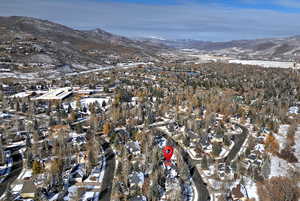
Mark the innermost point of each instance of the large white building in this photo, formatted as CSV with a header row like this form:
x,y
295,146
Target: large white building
x,y
56,94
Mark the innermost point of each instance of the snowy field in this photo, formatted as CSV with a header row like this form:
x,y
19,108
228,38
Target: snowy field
x,y
20,75
266,64
85,102
279,167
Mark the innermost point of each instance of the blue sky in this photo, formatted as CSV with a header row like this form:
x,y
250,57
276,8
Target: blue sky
x,y
214,20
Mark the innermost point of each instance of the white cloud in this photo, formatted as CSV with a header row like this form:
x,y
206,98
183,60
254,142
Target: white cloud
x,y
288,3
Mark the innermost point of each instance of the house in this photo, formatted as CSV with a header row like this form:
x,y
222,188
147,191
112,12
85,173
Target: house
x,y
199,123
171,127
56,94
134,148
139,198
5,115
59,129
238,193
218,138
193,138
136,179
204,141
78,174
28,190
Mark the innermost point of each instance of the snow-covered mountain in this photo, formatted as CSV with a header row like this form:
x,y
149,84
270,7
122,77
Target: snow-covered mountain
x,y
265,49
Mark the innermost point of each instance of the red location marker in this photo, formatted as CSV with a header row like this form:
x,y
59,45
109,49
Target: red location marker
x,y
168,152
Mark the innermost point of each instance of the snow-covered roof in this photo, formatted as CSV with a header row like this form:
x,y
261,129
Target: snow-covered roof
x,y
139,198
136,178
133,147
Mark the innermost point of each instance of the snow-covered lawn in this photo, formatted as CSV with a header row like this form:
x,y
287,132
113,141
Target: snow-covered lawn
x,y
293,110
266,64
5,115
251,189
85,102
17,188
281,136
21,94
14,144
279,167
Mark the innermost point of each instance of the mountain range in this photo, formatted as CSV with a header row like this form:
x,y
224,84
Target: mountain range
x,y
31,40
265,49
26,39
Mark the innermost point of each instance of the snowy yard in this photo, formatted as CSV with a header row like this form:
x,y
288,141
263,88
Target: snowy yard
x,y
266,64
85,102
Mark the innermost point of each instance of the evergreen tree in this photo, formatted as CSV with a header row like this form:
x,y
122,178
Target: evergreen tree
x,y
216,149
9,195
36,167
104,104
29,159
204,164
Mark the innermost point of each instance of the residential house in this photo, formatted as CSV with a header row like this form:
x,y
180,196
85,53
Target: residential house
x,y
139,198
28,190
193,138
136,179
218,138
134,148
238,194
78,173
59,129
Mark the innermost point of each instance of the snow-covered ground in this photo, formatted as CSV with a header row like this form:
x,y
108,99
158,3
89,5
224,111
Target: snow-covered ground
x,y
25,174
249,188
103,68
5,115
281,135
85,102
279,167
266,64
20,75
294,110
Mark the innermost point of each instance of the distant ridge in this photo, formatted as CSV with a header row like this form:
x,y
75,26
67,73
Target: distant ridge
x,y
266,49
54,43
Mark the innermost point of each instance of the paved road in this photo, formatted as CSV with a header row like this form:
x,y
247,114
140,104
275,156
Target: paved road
x,y
238,140
106,188
15,171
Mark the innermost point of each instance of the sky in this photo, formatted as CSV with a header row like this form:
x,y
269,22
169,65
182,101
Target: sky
x,y
208,20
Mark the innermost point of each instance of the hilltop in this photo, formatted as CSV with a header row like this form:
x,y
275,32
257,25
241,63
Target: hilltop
x,y
31,40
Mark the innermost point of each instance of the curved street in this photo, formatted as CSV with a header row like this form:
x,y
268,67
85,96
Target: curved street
x,y
106,188
238,142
